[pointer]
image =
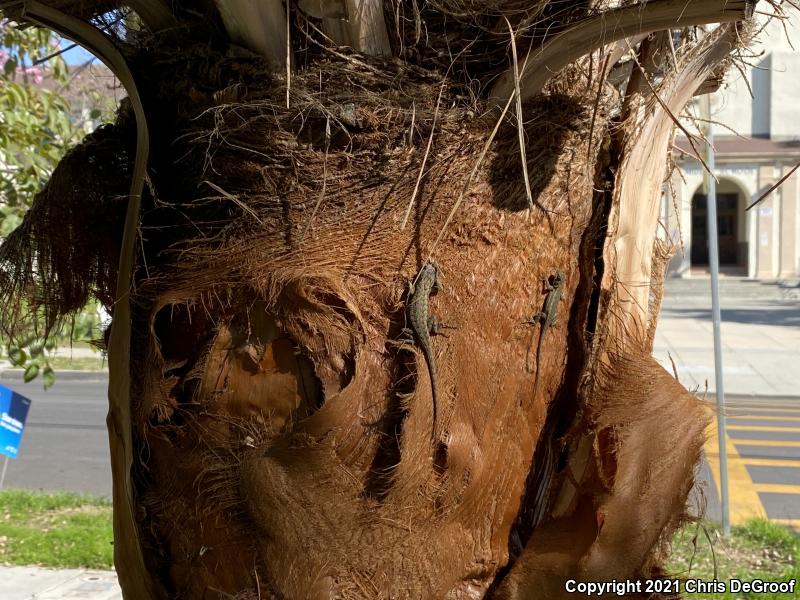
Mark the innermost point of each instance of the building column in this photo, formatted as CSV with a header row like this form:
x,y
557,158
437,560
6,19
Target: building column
x,y
765,222
752,240
788,227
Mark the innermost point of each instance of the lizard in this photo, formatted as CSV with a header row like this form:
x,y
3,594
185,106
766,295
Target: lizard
x,y
422,323
547,317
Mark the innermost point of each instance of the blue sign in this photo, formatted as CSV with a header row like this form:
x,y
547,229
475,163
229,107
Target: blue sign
x,y
13,412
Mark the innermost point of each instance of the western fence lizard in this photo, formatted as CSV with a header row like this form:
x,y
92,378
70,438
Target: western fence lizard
x,y
423,324
547,317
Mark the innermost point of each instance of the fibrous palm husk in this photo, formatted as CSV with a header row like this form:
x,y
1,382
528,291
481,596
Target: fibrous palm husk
x,y
281,419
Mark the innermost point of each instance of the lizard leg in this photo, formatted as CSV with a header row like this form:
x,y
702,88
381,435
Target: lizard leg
x,y
537,318
434,326
436,287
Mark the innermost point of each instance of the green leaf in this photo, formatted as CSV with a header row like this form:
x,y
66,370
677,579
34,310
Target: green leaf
x,y
31,372
17,356
35,348
10,67
60,70
37,128
48,377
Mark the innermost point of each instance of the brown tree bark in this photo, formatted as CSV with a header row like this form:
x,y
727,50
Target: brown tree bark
x,y
270,420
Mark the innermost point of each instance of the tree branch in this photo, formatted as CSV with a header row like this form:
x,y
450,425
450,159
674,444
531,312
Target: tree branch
x,y
610,26
134,577
639,180
259,26
365,29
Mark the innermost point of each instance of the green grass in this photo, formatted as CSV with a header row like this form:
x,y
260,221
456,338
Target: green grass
x,y
66,362
757,550
55,530
82,363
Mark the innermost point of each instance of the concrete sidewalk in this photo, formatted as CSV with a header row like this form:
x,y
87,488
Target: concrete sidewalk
x,y
34,583
760,336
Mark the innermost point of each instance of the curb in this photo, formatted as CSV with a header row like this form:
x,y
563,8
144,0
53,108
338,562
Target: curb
x,y
757,398
16,375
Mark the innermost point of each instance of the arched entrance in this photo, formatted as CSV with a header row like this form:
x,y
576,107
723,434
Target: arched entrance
x,y
730,226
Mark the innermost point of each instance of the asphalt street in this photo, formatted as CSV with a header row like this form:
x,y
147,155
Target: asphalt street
x,y
65,442
763,450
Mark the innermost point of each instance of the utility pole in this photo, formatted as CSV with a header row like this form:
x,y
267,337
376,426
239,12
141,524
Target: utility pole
x,y
713,263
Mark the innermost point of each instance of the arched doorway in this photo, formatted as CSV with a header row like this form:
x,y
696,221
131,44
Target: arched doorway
x,y
730,226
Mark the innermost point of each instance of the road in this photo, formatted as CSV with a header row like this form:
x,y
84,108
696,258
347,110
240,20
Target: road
x,y
760,336
65,443
763,449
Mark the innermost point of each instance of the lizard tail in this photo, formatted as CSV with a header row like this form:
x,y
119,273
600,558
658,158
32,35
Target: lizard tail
x,y
434,402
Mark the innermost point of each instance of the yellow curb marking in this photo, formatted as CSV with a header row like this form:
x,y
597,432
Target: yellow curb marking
x,y
777,488
794,523
770,428
768,443
771,462
743,498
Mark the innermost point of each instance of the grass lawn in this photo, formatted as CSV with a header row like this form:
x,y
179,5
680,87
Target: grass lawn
x,y
79,363
55,530
757,550
79,355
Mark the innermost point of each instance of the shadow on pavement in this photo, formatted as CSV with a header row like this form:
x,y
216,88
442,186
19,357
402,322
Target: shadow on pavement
x,y
768,315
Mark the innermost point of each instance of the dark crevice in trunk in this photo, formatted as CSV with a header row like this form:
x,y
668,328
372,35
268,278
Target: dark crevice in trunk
x,y
602,209
549,455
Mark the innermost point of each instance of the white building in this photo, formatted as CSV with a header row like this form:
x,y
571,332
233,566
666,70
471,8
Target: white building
x,y
765,241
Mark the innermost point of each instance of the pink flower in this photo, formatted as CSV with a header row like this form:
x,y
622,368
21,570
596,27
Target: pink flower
x,y
36,73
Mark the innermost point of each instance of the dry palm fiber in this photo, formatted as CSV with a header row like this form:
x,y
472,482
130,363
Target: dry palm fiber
x,y
55,259
282,424
238,285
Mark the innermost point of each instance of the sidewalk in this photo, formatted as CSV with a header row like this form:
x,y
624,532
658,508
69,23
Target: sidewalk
x,y
760,336
34,583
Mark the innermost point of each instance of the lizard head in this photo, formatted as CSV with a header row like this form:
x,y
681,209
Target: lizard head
x,y
558,278
436,273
